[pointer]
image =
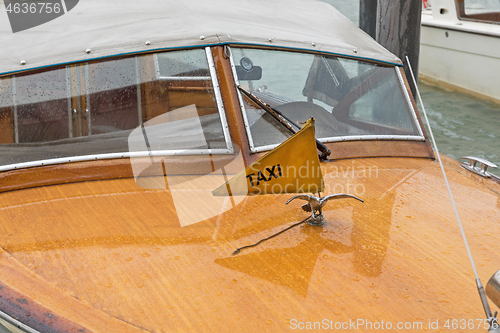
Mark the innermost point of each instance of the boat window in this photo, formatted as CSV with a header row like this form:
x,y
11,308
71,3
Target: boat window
x,y
349,99
111,89
182,64
479,10
92,108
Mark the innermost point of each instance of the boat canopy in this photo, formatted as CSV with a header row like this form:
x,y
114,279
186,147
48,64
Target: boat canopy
x,y
113,27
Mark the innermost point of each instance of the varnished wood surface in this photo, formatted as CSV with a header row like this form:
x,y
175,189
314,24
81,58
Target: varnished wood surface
x,y
231,104
107,253
43,307
6,126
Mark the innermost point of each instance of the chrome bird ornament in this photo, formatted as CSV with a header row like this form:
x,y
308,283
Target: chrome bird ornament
x,y
316,203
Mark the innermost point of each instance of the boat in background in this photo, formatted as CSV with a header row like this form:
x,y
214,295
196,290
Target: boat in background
x,y
460,46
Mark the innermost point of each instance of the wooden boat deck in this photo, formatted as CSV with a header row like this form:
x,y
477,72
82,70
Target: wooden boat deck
x,y
109,256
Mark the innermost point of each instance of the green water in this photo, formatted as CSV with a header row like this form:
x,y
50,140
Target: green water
x,y
463,125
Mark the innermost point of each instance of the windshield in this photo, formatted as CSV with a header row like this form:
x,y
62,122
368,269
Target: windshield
x,y
349,99
90,109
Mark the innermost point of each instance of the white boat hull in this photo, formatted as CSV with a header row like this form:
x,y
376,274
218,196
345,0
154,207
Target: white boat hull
x,y
462,55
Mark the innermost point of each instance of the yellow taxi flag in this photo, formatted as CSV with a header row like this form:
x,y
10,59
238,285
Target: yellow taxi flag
x,y
292,167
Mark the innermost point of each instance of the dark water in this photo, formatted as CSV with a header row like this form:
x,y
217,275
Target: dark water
x,y
462,124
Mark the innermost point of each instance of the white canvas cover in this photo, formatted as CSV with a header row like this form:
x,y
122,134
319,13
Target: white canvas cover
x,y
111,27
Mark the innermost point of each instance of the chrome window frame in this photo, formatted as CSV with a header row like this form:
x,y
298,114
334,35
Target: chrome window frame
x,y
218,99
110,156
413,117
118,155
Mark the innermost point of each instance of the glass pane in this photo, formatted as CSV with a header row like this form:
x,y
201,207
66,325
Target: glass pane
x,y
88,109
112,89
346,97
184,81
183,63
370,108
481,6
